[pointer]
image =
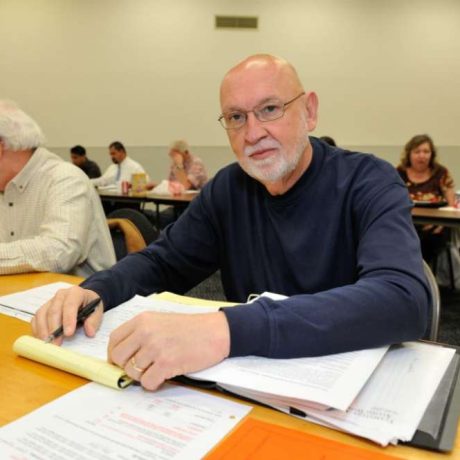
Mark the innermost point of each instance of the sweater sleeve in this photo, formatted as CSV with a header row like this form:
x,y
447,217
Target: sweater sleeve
x,y
176,262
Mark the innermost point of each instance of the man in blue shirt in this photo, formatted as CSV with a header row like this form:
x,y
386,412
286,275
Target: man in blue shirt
x,y
329,229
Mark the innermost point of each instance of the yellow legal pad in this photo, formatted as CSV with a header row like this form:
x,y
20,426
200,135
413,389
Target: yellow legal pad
x,y
88,367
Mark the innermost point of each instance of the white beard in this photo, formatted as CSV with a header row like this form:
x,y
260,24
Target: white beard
x,y
277,166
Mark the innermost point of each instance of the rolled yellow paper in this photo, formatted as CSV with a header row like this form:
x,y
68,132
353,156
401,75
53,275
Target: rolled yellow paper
x,y
88,367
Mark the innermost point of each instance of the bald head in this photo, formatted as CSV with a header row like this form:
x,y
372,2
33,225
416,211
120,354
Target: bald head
x,y
271,67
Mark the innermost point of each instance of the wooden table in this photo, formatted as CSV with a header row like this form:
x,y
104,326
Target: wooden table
x,y
180,202
27,385
436,216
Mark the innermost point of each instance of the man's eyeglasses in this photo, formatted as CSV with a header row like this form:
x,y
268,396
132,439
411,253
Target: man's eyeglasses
x,y
265,112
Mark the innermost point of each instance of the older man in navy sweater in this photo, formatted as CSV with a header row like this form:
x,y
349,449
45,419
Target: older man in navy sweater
x,y
329,229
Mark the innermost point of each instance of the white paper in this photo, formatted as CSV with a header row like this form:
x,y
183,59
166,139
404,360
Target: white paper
x,y
108,188
98,423
28,302
22,315
329,381
391,405
97,346
271,295
449,208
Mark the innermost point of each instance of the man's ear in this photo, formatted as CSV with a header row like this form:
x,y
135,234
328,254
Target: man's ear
x,y
312,110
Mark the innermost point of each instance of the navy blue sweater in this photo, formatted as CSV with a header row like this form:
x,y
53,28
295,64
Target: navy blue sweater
x,y
340,243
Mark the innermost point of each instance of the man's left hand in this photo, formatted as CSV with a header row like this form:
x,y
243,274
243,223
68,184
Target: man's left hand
x,y
153,347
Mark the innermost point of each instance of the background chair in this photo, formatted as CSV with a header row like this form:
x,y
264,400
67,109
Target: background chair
x,y
433,322
131,231
443,255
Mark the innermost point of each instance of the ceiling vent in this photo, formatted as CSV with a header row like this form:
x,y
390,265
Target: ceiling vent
x,y
236,22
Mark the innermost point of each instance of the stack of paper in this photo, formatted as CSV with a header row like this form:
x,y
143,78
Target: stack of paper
x,y
391,405
369,393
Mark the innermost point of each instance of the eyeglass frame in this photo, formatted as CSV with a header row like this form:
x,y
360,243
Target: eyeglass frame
x,y
246,112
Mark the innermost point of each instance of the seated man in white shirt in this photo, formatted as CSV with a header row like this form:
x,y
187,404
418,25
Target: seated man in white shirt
x,y
51,217
122,169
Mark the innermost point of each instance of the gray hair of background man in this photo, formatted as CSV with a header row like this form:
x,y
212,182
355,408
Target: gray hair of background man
x,y
18,131
180,146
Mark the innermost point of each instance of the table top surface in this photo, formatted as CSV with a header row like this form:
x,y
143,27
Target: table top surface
x,y
436,212
27,385
435,216
148,196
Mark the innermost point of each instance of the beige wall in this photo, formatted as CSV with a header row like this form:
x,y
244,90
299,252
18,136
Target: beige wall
x,y
148,71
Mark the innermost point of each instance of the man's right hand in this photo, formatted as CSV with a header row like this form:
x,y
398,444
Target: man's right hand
x,y
62,310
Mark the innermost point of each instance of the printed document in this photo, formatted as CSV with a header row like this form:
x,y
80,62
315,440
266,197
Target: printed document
x,y
97,346
391,405
95,422
24,304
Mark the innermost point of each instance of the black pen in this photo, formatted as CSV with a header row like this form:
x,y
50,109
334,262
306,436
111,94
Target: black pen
x,y
83,313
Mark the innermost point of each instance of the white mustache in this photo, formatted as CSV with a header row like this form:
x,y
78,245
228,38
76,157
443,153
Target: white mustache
x,y
263,144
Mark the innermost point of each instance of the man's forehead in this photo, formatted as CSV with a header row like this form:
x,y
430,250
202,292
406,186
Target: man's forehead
x,y
250,92
257,79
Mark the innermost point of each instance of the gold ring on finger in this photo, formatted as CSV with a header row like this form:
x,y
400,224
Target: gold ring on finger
x,y
135,367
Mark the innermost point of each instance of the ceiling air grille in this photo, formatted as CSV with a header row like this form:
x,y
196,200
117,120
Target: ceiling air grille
x,y
236,22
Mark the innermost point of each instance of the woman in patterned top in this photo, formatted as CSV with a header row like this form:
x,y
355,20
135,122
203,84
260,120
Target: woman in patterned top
x,y
427,181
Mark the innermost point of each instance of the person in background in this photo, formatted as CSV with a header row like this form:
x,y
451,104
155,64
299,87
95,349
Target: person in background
x,y
122,169
328,140
293,216
186,170
79,158
51,217
428,182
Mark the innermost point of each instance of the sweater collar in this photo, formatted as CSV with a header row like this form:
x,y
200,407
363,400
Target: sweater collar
x,y
307,177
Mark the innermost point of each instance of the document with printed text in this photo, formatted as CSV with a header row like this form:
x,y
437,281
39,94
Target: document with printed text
x,y
24,304
95,422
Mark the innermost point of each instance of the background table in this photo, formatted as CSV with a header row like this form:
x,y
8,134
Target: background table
x,y
436,216
179,202
27,385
